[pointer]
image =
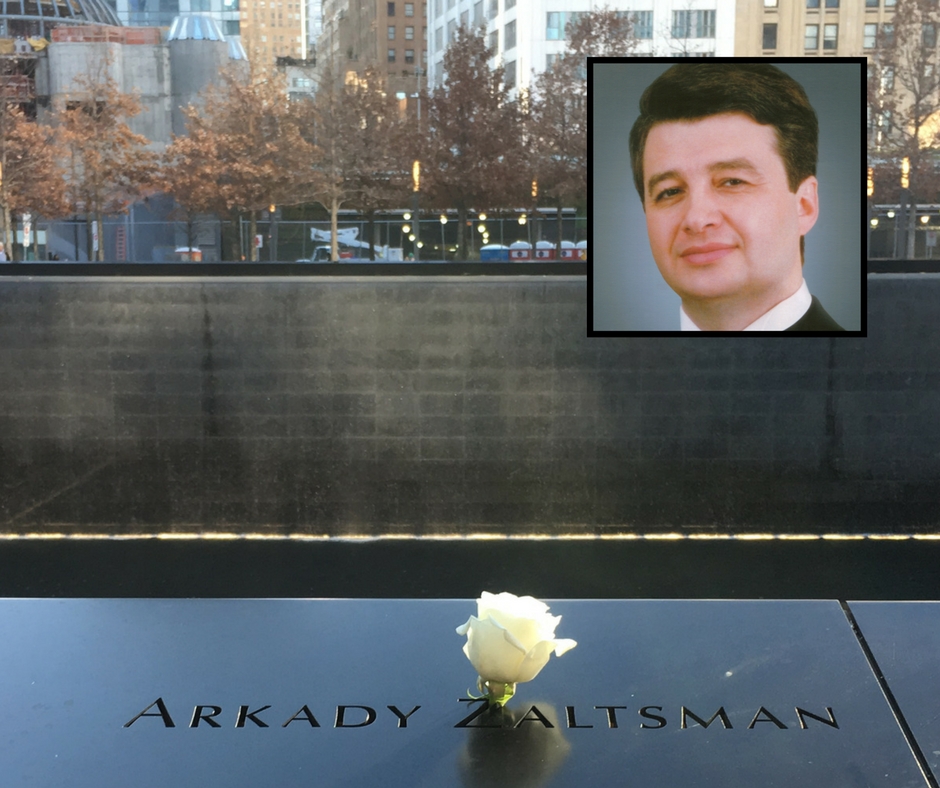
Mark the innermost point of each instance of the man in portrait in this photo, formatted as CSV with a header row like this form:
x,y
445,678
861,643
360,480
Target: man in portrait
x,y
724,161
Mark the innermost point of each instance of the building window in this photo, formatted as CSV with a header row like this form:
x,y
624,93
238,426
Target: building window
x,y
198,5
231,27
871,35
871,3
391,56
830,36
409,9
492,42
451,31
438,8
509,35
832,3
887,33
493,10
643,24
509,4
928,34
510,74
409,33
409,56
558,24
550,61
889,3
451,4
770,3
812,3
811,41
391,9
391,32
478,13
693,24
439,39
770,36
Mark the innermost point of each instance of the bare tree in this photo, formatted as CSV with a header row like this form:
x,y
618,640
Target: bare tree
x,y
903,95
557,128
473,147
357,130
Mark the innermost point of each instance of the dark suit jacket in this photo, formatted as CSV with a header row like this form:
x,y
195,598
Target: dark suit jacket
x,y
816,319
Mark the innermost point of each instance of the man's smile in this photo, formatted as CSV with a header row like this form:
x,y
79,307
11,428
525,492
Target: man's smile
x,y
706,253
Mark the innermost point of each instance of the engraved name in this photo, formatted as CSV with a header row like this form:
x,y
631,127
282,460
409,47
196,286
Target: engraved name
x,y
614,716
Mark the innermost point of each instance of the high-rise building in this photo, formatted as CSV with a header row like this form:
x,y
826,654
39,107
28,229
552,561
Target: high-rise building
x,y
816,28
274,28
389,35
161,13
526,35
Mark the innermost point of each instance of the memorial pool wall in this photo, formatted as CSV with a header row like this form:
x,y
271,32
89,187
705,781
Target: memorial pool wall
x,y
441,405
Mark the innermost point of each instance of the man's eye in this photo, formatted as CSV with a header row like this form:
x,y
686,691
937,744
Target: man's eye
x,y
733,181
666,193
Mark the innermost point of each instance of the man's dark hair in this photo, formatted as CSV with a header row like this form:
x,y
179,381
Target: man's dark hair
x,y
764,92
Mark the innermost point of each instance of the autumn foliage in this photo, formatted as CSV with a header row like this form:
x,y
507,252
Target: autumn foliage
x,y
482,144
31,174
243,152
108,167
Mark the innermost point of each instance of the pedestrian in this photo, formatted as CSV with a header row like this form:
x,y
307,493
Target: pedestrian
x,y
3,254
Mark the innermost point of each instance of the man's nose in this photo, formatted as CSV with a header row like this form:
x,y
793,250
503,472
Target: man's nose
x,y
701,211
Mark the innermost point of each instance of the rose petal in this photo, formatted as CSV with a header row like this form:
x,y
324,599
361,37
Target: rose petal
x,y
534,661
527,618
520,606
564,645
493,650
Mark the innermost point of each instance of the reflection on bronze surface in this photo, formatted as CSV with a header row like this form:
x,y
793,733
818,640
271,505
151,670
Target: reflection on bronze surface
x,y
515,750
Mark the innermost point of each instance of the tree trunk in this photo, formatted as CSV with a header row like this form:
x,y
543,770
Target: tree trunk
x,y
252,232
334,223
370,234
189,233
8,232
911,228
89,219
560,220
99,221
235,230
462,231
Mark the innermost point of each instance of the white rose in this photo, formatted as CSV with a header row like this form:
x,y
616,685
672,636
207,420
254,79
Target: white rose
x,y
510,638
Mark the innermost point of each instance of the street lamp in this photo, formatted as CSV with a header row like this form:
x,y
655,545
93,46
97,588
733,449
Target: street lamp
x,y
443,243
416,181
272,232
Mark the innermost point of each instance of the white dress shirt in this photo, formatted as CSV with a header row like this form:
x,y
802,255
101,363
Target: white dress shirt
x,y
779,318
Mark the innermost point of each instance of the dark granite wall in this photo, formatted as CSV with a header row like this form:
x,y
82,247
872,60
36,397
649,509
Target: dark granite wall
x,y
439,405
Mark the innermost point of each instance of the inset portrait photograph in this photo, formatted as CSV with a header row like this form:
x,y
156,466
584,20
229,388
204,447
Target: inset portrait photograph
x,y
726,196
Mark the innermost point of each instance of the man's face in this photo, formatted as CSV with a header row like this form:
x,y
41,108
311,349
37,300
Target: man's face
x,y
722,221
